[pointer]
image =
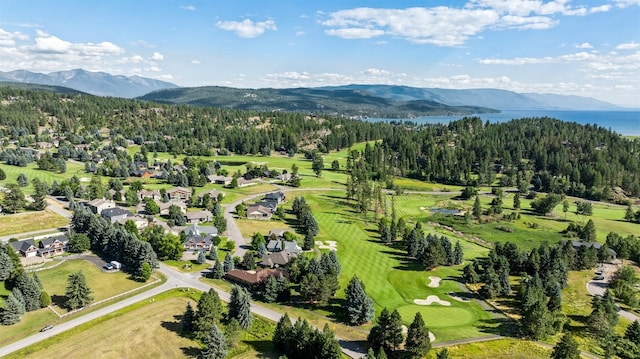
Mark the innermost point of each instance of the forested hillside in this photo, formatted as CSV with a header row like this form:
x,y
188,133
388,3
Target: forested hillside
x,y
554,156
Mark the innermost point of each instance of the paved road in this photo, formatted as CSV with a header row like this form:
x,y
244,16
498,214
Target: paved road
x,y
599,287
175,279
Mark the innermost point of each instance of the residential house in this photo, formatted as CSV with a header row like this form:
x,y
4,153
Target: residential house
x,y
245,182
141,173
223,180
213,194
115,214
577,244
277,259
164,206
284,176
271,205
100,204
140,222
179,194
278,233
53,245
26,248
252,277
196,229
199,216
197,242
153,194
259,212
278,197
291,247
274,245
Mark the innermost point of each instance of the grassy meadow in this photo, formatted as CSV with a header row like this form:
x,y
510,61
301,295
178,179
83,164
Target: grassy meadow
x,y
30,221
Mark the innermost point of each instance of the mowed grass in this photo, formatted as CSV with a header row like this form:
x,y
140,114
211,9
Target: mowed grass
x,y
104,285
148,329
392,280
30,221
32,171
507,348
30,324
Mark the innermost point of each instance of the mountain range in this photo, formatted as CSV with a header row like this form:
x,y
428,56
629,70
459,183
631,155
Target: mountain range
x,y
350,100
95,83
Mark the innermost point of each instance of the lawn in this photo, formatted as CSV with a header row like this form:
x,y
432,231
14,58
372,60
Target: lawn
x,y
392,280
103,285
30,221
32,171
502,348
147,329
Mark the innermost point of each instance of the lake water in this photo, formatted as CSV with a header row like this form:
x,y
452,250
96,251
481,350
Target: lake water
x,y
623,122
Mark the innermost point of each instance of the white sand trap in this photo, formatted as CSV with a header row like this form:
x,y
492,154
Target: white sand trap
x,y
423,208
85,179
432,337
432,299
435,282
405,330
331,245
459,299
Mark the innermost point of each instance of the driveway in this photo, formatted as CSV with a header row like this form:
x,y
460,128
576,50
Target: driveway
x,y
599,287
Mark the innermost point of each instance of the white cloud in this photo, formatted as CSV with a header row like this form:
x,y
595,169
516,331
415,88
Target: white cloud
x,y
195,62
157,56
584,45
300,33
626,3
9,38
377,72
628,46
450,26
247,28
188,7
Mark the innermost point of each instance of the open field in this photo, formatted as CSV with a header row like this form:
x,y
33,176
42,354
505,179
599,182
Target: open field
x,y
507,348
30,221
148,329
32,171
103,285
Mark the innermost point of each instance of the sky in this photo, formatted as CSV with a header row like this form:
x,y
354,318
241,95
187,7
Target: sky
x,y
570,47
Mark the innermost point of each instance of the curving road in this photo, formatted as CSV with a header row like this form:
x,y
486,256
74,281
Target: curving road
x,y
597,287
175,279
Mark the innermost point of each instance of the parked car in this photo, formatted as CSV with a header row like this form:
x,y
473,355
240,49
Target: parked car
x,y
108,266
46,327
599,277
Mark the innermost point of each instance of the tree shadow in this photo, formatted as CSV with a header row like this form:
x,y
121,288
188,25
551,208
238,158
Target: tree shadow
x,y
175,327
58,300
264,348
191,352
498,326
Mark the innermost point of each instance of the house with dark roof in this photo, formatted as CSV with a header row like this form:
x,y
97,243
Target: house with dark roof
x,y
53,245
276,259
115,214
278,197
197,242
223,180
213,194
272,205
274,245
26,248
164,206
577,244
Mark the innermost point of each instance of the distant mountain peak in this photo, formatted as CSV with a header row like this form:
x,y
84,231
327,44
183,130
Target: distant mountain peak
x,y
95,83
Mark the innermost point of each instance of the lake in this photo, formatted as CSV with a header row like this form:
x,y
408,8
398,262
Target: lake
x,y
623,122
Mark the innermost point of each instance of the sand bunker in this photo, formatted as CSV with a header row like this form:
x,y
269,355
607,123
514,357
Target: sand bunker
x,y
432,337
85,179
458,298
432,299
330,245
435,282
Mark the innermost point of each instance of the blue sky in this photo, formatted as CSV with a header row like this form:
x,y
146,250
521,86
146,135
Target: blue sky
x,y
574,47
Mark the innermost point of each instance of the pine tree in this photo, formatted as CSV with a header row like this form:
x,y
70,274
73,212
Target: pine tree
x,y
309,241
567,348
282,335
187,319
329,345
516,201
12,311
215,345
417,342
78,293
17,294
477,208
458,254
628,214
218,271
589,232
555,299
240,307
371,354
387,333
443,354
270,293
6,266
536,321
201,257
382,354
359,306
632,332
228,264
232,332
208,313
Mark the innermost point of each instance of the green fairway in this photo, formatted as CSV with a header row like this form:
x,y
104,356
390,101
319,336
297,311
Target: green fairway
x,y
391,279
32,171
